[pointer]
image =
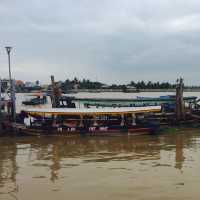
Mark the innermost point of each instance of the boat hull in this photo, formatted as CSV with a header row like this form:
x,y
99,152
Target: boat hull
x,y
91,131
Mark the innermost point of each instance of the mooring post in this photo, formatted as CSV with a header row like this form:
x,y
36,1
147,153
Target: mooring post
x,y
56,93
180,108
177,101
182,104
122,120
133,119
81,125
95,120
13,98
52,92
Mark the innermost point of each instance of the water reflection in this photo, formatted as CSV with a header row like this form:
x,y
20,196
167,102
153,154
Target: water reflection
x,y
8,167
179,151
47,157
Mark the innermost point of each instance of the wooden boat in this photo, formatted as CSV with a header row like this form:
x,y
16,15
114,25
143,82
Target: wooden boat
x,y
129,102
37,100
92,121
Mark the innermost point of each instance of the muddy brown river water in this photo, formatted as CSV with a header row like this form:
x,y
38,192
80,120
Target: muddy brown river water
x,y
155,167
165,166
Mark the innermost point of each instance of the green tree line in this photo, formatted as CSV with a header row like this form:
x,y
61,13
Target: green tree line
x,y
88,84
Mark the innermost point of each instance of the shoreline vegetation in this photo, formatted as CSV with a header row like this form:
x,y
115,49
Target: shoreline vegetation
x,y
85,85
131,91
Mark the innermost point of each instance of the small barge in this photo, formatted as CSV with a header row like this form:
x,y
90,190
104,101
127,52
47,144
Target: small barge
x,y
88,121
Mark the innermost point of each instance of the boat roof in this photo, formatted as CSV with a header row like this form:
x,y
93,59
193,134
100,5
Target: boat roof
x,y
39,94
92,111
167,98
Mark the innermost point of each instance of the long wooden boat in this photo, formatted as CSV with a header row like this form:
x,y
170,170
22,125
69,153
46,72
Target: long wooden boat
x,y
66,101
88,121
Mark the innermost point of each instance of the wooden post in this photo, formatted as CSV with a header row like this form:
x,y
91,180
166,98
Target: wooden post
x,y
95,121
180,107
81,121
182,104
122,119
177,100
56,93
13,99
133,119
53,102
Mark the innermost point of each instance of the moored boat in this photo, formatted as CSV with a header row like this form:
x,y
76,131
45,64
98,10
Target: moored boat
x,y
88,121
66,101
37,100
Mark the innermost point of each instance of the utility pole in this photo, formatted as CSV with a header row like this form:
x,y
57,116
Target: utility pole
x,y
12,86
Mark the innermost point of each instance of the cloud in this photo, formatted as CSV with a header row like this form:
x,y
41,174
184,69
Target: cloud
x,y
108,40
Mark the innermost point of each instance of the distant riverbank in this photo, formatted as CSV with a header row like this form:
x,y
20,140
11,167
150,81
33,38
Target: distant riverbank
x,y
131,90
170,90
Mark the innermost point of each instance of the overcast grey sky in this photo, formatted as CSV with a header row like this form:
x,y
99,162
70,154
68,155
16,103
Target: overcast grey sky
x,y
104,40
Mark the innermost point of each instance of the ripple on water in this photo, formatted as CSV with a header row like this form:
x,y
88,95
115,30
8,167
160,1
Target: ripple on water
x,y
101,168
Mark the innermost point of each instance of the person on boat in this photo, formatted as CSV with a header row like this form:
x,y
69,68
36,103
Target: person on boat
x,y
9,107
27,121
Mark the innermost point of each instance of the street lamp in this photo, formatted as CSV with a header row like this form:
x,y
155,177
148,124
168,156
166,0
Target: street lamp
x,y
12,88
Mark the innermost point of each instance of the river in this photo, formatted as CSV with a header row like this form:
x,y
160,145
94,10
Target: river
x,y
164,166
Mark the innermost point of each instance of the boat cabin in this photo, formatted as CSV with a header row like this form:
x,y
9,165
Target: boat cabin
x,y
36,99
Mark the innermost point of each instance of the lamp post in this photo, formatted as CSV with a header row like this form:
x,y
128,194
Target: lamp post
x,y
8,50
12,87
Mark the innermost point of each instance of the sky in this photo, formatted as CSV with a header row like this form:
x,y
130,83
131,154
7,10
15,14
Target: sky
x,y
112,41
